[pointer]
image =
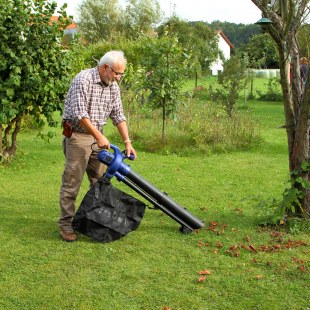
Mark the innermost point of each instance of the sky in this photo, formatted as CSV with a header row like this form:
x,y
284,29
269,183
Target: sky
x,y
234,11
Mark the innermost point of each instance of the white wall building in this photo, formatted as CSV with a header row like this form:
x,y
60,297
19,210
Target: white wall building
x,y
225,47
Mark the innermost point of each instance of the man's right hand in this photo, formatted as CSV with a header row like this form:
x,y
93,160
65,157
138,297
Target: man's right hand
x,y
103,142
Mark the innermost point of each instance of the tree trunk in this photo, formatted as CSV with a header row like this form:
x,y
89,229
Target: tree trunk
x,y
1,146
284,28
10,133
164,121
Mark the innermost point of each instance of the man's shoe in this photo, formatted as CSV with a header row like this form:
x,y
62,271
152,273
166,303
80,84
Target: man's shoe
x,y
68,235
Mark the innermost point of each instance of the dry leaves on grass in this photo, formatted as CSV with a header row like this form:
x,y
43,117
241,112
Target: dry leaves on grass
x,y
216,228
234,250
203,274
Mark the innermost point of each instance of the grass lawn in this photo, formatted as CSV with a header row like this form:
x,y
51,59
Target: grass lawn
x,y
232,263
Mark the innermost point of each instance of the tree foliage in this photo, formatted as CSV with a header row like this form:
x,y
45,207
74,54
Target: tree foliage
x,y
33,66
166,69
99,19
303,40
262,52
231,81
108,19
197,38
141,17
238,34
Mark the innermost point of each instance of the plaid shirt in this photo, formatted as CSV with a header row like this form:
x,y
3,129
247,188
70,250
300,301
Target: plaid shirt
x,y
89,98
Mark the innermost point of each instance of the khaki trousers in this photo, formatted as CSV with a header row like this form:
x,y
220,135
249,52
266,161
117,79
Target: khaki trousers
x,y
79,157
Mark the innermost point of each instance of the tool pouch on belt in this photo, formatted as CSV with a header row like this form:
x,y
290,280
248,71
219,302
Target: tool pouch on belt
x,y
67,128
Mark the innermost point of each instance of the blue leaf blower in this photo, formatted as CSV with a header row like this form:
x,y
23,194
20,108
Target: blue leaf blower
x,y
160,200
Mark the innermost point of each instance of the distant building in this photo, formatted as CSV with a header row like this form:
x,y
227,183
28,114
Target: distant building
x,y
225,47
71,30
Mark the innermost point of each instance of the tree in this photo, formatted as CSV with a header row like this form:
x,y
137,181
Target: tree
x,y
196,38
106,19
286,18
100,19
33,66
141,18
262,52
231,81
166,67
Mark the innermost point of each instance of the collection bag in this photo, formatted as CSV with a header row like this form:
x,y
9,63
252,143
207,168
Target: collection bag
x,y
107,214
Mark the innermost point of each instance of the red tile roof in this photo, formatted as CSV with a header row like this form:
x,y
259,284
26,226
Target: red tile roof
x,y
73,25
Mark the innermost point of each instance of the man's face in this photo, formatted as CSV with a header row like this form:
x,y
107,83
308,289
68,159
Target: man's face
x,y
109,74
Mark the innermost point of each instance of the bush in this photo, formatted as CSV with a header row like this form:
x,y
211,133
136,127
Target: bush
x,y
273,92
200,127
213,131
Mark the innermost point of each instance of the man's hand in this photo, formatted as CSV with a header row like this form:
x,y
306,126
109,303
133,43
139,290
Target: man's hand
x,y
130,150
103,142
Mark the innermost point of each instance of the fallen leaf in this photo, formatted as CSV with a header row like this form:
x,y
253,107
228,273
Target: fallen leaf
x,y
204,272
212,226
202,279
234,247
298,260
219,245
233,253
263,248
167,308
252,248
200,243
301,268
247,239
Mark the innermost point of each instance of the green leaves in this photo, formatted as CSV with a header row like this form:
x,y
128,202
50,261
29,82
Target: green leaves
x,y
30,54
293,194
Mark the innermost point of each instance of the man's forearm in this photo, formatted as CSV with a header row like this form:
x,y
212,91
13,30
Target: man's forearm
x,y
123,131
87,124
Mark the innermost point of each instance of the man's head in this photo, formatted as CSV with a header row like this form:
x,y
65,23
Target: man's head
x,y
112,66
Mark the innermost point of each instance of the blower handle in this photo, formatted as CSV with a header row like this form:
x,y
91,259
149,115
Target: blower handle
x,y
116,166
118,152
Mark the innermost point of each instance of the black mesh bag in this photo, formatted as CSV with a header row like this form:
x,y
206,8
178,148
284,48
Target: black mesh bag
x,y
107,214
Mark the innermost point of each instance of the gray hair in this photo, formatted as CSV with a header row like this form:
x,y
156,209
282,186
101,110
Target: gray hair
x,y
113,57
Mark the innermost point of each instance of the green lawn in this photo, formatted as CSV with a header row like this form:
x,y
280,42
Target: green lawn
x,y
251,267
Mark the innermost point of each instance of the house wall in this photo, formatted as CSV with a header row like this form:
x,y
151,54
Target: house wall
x,y
225,48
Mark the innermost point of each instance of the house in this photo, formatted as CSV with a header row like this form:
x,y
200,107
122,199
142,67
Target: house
x,y
225,47
71,30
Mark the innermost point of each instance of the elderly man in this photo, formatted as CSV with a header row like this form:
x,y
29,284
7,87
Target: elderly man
x,y
93,97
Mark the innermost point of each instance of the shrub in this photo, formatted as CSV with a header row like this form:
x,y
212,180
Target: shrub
x,y
200,127
273,93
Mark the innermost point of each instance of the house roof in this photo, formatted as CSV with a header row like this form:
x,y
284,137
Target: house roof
x,y
221,33
73,25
